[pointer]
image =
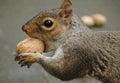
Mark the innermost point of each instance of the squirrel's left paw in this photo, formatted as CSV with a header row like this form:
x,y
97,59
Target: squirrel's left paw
x,y
27,59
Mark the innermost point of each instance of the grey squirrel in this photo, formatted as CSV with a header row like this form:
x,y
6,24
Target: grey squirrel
x,y
73,50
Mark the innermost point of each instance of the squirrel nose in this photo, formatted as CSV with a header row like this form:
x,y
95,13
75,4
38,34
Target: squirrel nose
x,y
23,29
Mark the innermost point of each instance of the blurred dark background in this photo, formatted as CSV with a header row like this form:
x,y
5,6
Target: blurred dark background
x,y
14,13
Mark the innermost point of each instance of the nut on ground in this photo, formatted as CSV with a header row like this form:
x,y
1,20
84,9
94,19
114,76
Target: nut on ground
x,y
88,21
99,19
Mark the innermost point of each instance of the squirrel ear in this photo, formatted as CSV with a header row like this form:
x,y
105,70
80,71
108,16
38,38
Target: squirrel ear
x,y
66,8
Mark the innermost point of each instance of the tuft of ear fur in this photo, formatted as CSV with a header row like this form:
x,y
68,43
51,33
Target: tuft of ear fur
x,y
66,11
66,8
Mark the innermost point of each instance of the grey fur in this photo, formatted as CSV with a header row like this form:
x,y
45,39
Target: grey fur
x,y
86,52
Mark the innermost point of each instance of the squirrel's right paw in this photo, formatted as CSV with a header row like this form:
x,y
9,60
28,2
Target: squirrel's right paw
x,y
27,59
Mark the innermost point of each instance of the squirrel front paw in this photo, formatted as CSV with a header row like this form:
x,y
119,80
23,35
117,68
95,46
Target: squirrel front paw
x,y
27,59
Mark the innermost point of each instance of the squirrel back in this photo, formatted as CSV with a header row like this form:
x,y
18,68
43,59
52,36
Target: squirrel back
x,y
96,54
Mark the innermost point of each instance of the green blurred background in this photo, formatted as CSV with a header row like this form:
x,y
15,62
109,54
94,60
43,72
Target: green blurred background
x,y
14,13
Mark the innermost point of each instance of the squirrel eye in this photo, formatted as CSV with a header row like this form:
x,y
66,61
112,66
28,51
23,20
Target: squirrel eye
x,y
48,23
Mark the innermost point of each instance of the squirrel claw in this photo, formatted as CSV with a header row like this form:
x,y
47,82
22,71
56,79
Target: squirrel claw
x,y
17,58
24,63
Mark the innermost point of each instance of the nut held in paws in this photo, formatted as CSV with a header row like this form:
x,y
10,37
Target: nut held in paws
x,y
30,45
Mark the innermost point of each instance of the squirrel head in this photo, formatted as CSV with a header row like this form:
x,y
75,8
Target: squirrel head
x,y
48,25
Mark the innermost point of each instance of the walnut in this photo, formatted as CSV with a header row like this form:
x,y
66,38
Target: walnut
x,y
30,45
